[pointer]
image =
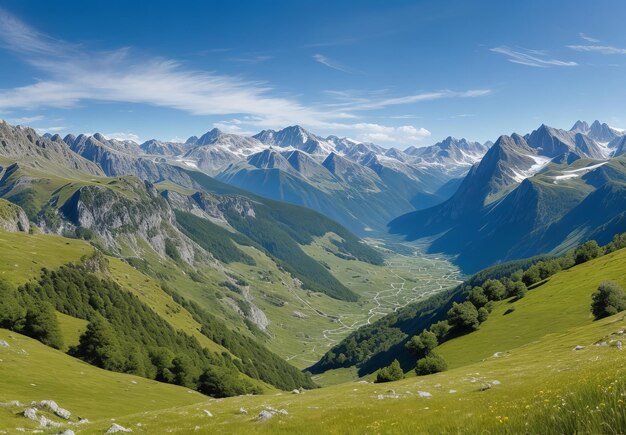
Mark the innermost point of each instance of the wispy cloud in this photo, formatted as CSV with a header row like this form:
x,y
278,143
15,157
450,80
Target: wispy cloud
x,y
123,136
334,43
52,129
602,49
534,58
71,75
320,58
27,120
357,103
403,135
251,59
588,38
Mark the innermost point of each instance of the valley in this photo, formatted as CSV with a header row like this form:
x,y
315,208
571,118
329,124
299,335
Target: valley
x,y
403,279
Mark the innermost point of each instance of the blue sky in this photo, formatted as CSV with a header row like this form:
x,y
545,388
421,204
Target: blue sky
x,y
392,72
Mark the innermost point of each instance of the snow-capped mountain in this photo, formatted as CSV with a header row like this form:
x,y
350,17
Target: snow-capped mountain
x,y
600,132
453,155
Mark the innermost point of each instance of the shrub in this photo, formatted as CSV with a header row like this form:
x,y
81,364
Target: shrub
x,y
609,299
463,317
440,329
393,372
517,289
483,314
41,324
477,297
423,343
494,290
587,251
531,276
431,363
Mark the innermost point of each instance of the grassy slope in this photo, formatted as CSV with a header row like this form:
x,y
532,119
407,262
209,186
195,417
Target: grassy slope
x,y
31,371
539,378
537,381
22,256
555,306
540,375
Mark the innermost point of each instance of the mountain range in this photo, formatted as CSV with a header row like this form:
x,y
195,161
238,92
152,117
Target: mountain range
x,y
539,193
361,185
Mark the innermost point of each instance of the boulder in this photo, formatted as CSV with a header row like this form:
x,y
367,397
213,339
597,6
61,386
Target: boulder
x,y
264,415
115,428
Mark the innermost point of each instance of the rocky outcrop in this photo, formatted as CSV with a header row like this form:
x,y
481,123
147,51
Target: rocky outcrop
x,y
13,218
210,206
123,214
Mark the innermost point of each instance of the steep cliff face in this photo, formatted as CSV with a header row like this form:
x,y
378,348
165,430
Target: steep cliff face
x,y
125,216
12,217
209,206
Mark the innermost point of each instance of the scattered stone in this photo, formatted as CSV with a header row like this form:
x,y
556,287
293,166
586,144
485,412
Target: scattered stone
x,y
264,416
485,387
115,428
299,315
242,410
4,344
82,421
208,413
604,343
11,403
452,391
31,414
52,406
619,345
578,347
424,394
295,391
133,382
67,432
495,382
363,382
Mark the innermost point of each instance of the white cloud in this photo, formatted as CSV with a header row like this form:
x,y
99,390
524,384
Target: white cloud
x,y
385,135
27,120
52,129
602,49
534,58
123,136
320,58
588,38
351,102
251,59
72,75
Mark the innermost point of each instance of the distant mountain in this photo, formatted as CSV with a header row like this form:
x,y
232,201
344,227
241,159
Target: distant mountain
x,y
24,145
530,194
453,155
600,132
157,147
298,138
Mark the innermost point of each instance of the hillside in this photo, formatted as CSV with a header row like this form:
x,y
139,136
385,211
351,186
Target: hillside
x,y
534,386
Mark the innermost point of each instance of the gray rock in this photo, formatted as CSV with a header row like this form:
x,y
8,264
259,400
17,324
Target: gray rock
x,y
264,415
12,219
115,428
